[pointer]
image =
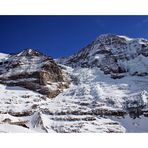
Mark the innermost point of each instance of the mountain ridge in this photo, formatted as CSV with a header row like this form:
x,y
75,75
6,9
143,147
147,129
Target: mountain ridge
x,y
112,54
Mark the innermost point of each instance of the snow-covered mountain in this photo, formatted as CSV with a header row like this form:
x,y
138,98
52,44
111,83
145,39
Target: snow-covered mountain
x,y
113,54
102,88
32,70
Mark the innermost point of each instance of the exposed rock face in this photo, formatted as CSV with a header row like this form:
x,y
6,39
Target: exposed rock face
x,y
32,70
113,54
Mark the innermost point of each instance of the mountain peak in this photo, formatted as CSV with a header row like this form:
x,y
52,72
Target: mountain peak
x,y
29,52
113,36
113,54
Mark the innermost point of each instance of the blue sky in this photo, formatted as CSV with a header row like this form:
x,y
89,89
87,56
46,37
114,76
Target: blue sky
x,y
59,36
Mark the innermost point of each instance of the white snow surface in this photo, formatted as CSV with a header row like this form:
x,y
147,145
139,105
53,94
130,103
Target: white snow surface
x,y
3,56
137,125
105,89
7,128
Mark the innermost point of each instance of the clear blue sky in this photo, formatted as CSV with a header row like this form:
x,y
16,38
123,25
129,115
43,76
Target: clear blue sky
x,y
64,35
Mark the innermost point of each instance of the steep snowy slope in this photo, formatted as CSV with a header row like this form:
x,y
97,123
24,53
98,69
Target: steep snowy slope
x,y
22,110
122,93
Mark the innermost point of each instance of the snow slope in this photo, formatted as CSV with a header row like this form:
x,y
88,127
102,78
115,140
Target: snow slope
x,y
113,92
7,128
3,56
76,109
21,107
113,54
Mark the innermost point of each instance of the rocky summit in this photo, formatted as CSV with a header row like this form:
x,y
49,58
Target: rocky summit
x,y
33,70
